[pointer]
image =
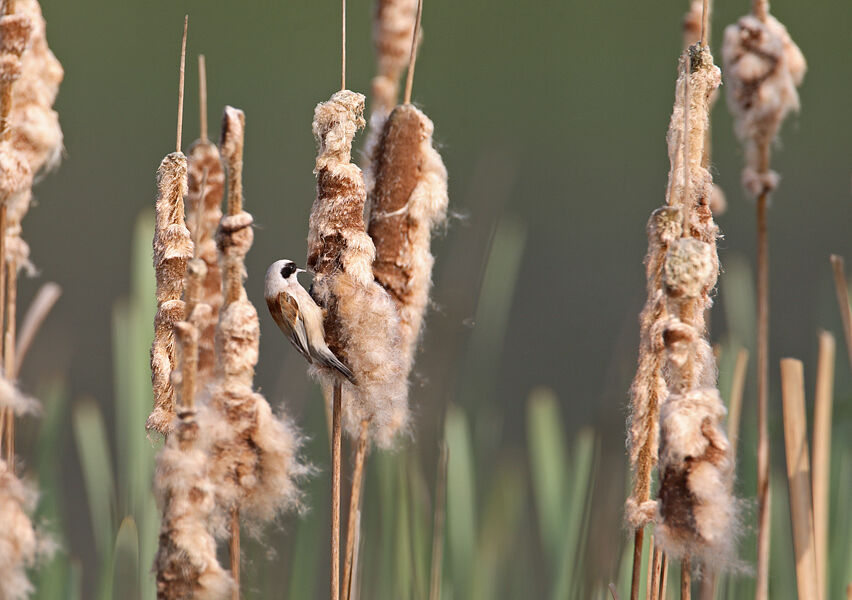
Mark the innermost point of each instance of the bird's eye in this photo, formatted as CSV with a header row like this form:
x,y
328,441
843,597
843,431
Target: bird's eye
x,y
288,270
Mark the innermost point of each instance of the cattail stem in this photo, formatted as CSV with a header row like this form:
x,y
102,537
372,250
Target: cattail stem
x,y
36,314
438,525
234,547
843,301
6,413
760,9
354,509
705,22
664,576
823,399
202,95
685,578
708,584
653,591
9,352
409,78
763,497
638,540
343,45
180,83
613,592
799,476
651,560
335,492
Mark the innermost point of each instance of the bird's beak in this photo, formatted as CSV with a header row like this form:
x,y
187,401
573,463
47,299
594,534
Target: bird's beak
x,y
300,270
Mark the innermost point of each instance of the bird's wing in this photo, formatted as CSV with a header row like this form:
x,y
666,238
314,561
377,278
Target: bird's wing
x,y
285,311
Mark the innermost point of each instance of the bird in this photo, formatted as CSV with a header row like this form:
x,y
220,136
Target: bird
x,y
299,317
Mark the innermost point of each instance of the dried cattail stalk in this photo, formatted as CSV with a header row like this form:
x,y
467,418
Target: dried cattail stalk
x,y
362,323
409,200
186,562
697,511
253,453
172,250
203,213
763,68
823,399
393,27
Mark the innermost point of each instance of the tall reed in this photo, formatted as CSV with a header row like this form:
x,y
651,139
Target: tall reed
x,y
763,69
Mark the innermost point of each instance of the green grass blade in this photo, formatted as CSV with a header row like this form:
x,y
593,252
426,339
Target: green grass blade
x,y
548,466
94,452
461,500
125,562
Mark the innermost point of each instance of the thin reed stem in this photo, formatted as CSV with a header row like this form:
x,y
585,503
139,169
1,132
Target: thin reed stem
x,y
335,492
354,509
202,97
763,497
36,314
823,399
438,525
234,546
735,406
685,578
638,539
180,83
708,584
842,291
760,9
343,45
409,78
9,351
705,23
651,566
656,573
799,476
613,592
664,576
5,414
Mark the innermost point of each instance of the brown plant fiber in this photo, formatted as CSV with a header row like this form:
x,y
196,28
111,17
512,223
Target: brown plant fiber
x,y
362,323
409,200
172,250
203,213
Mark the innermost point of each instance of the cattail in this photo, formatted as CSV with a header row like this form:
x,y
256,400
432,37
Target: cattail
x,y
763,68
697,511
253,453
409,200
172,250
204,211
362,323
186,562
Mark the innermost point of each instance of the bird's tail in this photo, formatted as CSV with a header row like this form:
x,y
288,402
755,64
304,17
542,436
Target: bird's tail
x,y
332,362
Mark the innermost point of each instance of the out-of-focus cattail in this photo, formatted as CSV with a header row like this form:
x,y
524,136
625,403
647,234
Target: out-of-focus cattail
x,y
253,453
393,27
763,68
203,213
409,200
172,250
186,562
697,510
18,537
362,322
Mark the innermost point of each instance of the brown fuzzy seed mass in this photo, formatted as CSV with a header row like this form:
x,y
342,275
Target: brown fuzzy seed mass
x,y
204,211
409,200
172,250
362,322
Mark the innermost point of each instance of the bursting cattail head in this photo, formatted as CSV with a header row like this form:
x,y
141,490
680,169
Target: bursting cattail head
x,y
172,250
362,323
763,68
409,200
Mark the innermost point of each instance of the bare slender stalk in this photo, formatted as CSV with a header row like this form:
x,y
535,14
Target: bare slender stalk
x,y
354,510
39,308
335,493
823,398
613,592
735,406
799,476
438,526
760,9
343,45
234,547
638,540
651,566
409,79
843,301
656,573
685,578
202,95
763,493
664,576
180,85
9,352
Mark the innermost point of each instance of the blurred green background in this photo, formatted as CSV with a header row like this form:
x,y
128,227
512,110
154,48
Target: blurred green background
x,y
551,119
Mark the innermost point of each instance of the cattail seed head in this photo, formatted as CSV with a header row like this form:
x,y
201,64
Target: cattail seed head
x,y
362,323
18,537
690,268
763,68
408,202
173,249
393,30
